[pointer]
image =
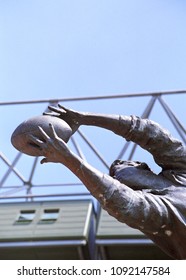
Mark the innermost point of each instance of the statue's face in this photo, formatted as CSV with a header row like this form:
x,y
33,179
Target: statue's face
x,y
132,173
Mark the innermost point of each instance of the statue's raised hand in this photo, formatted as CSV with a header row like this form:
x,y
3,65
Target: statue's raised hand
x,y
73,118
53,148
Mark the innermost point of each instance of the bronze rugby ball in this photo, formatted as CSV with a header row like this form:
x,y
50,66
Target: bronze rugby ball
x,y
19,138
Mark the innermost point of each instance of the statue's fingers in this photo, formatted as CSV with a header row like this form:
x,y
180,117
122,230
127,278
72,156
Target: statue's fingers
x,y
54,134
62,107
35,140
50,114
54,109
44,160
44,134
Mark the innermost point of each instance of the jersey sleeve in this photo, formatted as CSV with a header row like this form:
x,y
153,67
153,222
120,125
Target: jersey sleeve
x,y
168,152
138,209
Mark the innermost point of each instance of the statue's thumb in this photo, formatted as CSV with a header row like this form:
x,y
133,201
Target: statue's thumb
x,y
44,160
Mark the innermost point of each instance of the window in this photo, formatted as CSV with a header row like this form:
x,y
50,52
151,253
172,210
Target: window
x,y
49,216
25,217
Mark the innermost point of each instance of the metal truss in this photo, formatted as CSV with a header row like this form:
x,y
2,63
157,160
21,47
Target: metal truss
x,y
16,186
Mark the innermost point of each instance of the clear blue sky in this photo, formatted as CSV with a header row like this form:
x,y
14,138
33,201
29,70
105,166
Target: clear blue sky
x,y
71,48
67,48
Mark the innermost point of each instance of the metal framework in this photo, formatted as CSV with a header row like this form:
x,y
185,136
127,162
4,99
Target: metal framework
x,y
22,188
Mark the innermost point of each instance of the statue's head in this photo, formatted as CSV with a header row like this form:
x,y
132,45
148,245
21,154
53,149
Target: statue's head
x,y
134,174
121,164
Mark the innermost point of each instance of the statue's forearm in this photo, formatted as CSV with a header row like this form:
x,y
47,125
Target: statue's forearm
x,y
90,176
119,200
115,123
146,133
100,185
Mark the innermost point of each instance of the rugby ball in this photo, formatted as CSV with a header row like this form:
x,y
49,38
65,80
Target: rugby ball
x,y
22,143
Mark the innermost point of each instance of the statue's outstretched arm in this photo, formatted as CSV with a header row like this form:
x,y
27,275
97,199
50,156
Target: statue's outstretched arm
x,y
76,119
139,210
167,151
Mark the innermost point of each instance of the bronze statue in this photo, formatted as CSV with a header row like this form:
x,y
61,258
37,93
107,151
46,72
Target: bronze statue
x,y
132,193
